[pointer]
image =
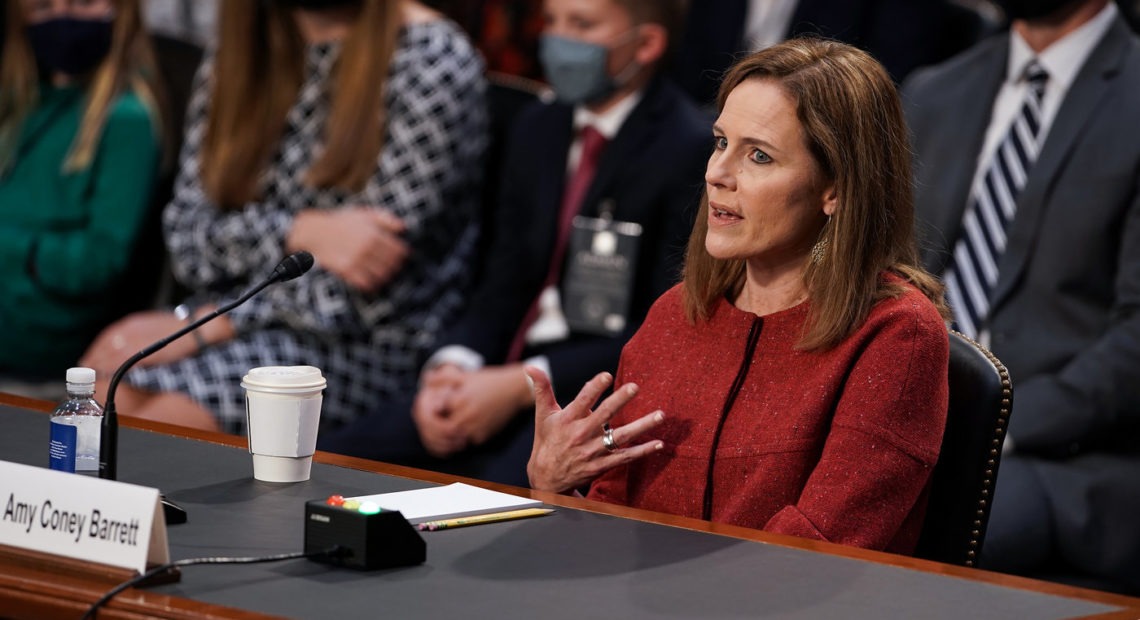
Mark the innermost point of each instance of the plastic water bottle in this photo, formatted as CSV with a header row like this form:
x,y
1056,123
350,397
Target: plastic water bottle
x,y
75,425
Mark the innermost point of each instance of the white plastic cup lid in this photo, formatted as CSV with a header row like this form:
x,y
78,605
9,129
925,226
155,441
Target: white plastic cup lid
x,y
284,378
79,374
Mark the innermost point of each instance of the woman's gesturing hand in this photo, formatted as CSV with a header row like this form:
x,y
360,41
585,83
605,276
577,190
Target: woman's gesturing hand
x,y
570,448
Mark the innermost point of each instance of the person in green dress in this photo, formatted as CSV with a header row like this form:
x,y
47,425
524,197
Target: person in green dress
x,y
80,148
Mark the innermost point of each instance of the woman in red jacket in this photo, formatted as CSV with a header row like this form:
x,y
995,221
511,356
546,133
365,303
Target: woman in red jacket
x,y
796,380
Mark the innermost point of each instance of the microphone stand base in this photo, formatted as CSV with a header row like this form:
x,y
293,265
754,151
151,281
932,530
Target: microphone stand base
x,y
174,513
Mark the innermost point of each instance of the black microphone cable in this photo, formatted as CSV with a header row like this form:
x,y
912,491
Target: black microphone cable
x,y
158,570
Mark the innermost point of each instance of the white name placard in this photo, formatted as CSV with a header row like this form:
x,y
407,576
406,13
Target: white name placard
x,y
81,517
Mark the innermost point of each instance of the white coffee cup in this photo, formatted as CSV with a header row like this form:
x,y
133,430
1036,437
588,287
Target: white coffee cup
x,y
283,411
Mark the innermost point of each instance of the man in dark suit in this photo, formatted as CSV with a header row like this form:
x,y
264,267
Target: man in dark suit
x,y
901,34
1061,310
474,410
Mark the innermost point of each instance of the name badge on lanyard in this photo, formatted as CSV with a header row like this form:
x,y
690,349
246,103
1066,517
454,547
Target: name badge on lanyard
x,y
598,283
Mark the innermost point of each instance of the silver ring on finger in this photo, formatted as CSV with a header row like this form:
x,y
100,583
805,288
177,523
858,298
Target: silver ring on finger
x,y
608,439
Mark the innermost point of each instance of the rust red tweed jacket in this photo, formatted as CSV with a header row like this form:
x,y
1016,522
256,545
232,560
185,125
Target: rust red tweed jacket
x,y
835,445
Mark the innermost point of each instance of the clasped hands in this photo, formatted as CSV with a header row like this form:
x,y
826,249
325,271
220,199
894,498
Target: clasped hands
x,y
457,408
364,246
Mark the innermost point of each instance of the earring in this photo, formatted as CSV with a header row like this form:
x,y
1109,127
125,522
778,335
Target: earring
x,y
819,250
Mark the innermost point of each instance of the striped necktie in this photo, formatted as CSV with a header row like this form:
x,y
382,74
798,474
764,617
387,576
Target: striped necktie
x,y
973,271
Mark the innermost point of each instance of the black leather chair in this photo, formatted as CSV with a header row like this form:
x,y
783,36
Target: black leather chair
x,y
150,283
962,488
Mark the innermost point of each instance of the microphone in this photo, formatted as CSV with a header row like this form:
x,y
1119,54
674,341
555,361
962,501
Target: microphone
x,y
292,266
289,268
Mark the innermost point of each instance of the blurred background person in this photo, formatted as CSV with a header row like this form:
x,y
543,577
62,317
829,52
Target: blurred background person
x,y
622,148
797,379
1028,161
350,129
81,127
900,34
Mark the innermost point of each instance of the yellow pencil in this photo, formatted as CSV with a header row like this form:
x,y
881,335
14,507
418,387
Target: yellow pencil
x,y
493,517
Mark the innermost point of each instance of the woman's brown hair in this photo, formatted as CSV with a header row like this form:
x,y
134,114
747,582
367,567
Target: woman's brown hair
x,y
129,64
258,72
853,121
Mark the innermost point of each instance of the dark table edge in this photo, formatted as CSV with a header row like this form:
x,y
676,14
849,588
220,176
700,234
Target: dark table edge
x,y
1130,604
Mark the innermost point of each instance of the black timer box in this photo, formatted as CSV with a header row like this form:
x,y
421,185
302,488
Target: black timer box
x,y
361,540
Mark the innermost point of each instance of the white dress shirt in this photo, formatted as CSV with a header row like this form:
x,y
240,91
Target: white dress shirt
x,y
1062,61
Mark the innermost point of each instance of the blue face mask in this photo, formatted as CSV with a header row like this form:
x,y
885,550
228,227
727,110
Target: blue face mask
x,y
576,70
68,45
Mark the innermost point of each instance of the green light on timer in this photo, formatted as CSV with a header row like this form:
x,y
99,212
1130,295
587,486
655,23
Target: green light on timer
x,y
366,508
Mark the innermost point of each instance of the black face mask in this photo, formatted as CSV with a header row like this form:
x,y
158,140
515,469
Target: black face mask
x,y
1031,9
71,46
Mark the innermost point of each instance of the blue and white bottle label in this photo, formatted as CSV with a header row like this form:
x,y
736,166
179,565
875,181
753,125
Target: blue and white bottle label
x,y
61,449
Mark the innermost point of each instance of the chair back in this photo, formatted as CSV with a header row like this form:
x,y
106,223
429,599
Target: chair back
x,y
507,96
150,283
962,486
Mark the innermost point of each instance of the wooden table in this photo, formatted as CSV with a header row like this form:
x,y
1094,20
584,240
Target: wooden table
x,y
588,559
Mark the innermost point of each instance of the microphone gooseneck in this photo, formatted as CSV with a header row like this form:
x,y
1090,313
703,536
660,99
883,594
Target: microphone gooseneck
x,y
289,268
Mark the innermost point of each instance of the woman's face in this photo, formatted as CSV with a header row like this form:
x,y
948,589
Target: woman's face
x,y
768,198
37,11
